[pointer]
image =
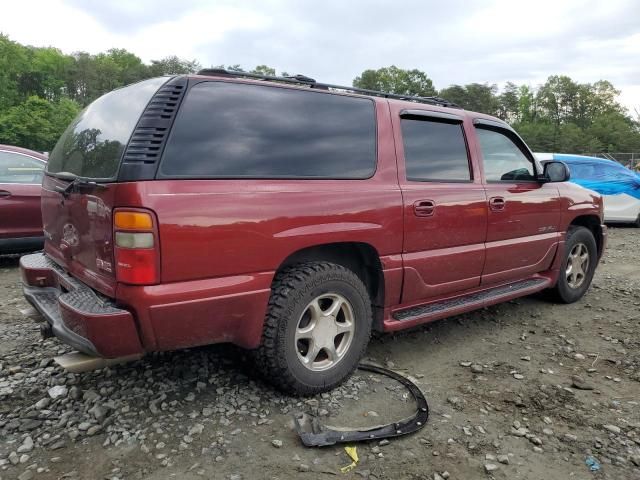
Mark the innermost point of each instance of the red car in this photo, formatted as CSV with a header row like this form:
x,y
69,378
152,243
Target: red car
x,y
20,186
293,218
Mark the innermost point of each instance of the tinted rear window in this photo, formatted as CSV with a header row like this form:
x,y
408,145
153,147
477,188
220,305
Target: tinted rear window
x,y
238,130
93,144
435,151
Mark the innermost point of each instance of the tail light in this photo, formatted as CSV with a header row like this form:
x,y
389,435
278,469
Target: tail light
x,y
137,251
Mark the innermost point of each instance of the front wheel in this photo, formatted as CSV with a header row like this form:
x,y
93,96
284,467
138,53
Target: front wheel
x,y
316,330
578,267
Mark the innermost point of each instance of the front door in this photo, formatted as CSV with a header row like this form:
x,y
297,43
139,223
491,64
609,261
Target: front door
x,y
445,207
524,213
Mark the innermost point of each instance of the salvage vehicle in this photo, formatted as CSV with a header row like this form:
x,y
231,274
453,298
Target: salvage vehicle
x,y
292,218
20,186
618,185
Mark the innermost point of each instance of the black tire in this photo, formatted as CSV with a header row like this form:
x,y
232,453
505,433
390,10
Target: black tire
x,y
563,291
637,223
293,289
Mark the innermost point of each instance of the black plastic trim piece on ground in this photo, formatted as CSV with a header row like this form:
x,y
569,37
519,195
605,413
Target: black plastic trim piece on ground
x,y
314,434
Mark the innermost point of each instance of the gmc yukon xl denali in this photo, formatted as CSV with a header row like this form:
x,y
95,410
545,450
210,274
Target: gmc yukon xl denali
x,y
293,218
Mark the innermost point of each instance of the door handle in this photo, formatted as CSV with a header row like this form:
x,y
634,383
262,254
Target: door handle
x,y
4,193
497,204
424,208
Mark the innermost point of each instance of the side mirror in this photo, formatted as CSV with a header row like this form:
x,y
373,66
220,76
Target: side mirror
x,y
555,172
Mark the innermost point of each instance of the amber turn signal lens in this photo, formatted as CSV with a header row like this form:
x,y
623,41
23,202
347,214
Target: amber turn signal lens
x,y
133,221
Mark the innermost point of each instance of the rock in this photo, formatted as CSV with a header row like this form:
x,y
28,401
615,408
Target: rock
x,y
518,376
535,440
547,431
635,459
476,368
196,429
579,356
303,467
26,475
91,431
580,383
43,403
456,402
612,428
383,442
490,467
519,432
59,391
276,443
570,437
14,458
84,426
99,412
538,450
465,364
26,446
490,457
503,459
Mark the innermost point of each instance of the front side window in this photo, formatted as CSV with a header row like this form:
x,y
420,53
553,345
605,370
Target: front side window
x,y
435,151
503,159
234,130
17,168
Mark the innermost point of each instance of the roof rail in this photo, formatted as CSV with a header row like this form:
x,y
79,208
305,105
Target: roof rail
x,y
311,83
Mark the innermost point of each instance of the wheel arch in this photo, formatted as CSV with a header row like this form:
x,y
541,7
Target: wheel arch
x,y
359,257
591,222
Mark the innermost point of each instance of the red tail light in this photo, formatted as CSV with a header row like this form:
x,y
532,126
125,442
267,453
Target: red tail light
x,y
137,251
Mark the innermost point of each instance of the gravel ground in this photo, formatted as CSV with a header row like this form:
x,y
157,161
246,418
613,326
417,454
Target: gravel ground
x,y
527,389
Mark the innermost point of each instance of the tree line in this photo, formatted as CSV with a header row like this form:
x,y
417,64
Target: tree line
x,y
43,89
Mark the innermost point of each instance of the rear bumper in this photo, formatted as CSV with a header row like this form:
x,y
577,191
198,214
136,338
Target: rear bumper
x,y
77,315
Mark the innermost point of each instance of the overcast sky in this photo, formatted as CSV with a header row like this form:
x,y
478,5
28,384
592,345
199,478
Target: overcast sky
x,y
453,41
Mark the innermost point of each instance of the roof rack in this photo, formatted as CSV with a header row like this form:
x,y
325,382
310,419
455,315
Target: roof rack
x,y
311,83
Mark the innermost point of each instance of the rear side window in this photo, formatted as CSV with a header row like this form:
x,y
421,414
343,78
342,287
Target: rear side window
x,y
93,144
18,168
230,130
435,151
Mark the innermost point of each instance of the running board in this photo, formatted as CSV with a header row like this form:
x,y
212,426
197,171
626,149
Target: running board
x,y
491,295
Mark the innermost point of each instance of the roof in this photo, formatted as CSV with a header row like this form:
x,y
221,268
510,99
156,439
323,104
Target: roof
x,y
25,151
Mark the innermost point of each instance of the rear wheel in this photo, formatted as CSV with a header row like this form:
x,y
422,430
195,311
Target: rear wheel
x,y
316,330
578,267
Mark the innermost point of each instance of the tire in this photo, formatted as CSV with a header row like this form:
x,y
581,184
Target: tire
x,y
297,327
574,281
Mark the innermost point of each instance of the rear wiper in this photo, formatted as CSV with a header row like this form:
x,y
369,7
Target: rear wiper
x,y
75,182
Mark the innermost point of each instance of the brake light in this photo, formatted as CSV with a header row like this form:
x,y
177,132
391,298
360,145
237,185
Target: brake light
x,y
137,250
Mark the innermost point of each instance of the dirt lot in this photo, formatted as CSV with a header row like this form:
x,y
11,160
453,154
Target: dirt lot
x,y
499,383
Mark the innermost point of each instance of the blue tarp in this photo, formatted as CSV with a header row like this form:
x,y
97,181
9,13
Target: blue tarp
x,y
603,176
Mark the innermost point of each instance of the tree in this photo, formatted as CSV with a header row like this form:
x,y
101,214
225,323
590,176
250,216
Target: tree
x,y
173,65
474,96
37,123
264,70
396,80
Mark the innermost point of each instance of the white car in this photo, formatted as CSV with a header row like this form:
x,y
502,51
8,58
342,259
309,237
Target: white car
x,y
619,186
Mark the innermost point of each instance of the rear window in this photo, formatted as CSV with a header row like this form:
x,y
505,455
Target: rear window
x,y
235,130
93,144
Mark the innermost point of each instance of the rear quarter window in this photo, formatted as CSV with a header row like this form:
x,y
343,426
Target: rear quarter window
x,y
232,130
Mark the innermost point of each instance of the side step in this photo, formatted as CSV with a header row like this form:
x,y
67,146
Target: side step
x,y
478,299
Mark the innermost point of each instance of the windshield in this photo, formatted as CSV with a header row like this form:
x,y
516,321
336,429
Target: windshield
x,y
93,144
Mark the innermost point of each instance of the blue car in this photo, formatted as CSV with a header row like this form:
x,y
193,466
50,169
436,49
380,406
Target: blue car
x,y
619,186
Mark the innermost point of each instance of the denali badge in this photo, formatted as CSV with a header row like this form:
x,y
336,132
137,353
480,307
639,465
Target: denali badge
x,y
70,235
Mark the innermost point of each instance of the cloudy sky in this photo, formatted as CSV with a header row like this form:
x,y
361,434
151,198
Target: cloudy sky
x,y
453,41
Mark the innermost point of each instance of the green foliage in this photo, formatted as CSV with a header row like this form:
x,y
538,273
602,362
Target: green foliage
x,y
37,122
561,115
396,80
42,89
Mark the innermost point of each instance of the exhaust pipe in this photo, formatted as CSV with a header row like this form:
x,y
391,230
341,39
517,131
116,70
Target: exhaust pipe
x,y
77,362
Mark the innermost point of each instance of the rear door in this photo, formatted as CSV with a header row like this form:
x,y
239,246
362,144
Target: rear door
x,y
20,180
445,207
524,213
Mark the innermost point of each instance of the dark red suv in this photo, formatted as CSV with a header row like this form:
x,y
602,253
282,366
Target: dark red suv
x,y
293,218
